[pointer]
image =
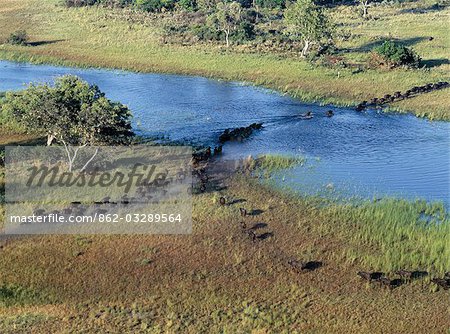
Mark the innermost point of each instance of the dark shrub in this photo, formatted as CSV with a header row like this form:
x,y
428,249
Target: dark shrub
x,y
271,3
392,54
245,32
206,33
245,3
190,5
18,37
155,5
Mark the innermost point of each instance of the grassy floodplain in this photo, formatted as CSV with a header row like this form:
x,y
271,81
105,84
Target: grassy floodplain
x,y
119,39
218,280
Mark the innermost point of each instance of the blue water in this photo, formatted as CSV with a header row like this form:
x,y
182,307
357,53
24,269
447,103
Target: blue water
x,y
368,154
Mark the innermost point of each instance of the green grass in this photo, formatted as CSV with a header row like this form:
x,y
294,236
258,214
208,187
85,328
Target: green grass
x,y
117,39
394,234
13,295
270,163
217,280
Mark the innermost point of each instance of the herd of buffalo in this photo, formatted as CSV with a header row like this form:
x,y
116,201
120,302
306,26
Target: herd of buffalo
x,y
405,276
397,96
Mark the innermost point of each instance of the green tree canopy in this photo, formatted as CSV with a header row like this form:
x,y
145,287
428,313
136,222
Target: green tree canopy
x,y
226,18
306,22
71,112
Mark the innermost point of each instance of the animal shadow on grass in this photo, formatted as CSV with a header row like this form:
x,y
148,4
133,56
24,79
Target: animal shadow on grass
x,y
236,201
258,226
390,283
265,236
255,212
312,265
301,267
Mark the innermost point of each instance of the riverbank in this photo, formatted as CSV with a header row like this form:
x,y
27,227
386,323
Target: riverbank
x,y
104,38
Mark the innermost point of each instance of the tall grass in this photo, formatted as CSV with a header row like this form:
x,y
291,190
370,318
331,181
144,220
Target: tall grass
x,y
12,295
270,163
396,234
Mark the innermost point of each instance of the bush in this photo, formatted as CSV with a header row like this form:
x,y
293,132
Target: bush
x,y
190,5
155,5
18,37
245,32
271,3
392,54
245,3
206,33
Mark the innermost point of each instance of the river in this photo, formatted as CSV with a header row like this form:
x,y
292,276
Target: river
x,y
367,155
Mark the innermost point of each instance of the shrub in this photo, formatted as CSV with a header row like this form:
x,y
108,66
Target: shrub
x,y
154,5
392,54
206,33
190,5
18,37
245,3
245,32
271,3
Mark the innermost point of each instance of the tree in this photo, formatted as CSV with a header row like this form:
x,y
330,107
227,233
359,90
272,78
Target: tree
x,y
71,112
365,7
307,23
227,18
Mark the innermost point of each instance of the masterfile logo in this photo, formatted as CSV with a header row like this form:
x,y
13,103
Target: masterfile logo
x,y
136,189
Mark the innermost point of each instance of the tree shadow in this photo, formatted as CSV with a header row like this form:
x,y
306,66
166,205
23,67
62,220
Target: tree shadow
x,y
236,201
258,226
38,43
265,236
405,41
432,8
27,142
337,3
435,62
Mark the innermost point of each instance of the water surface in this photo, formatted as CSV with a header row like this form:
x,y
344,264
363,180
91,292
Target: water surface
x,y
366,154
